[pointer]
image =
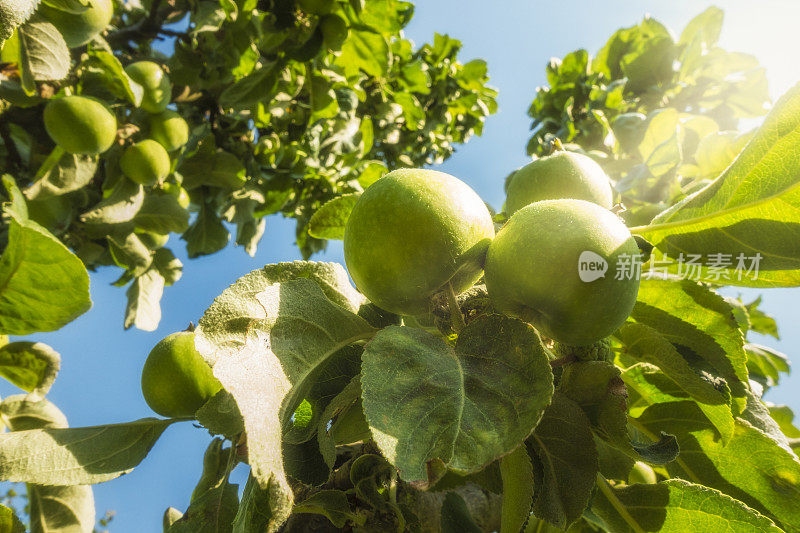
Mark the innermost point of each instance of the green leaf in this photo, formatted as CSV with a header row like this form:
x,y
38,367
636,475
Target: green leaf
x,y
660,148
25,411
704,28
760,322
106,65
273,330
597,388
262,509
456,517
647,345
213,512
130,253
162,214
750,209
170,268
688,314
70,6
121,205
251,89
207,235
220,416
765,364
346,401
671,505
77,456
44,52
51,508
565,462
783,415
332,504
30,365
144,301
751,467
475,408
214,168
9,523
43,285
329,221
364,51
69,173
61,508
517,472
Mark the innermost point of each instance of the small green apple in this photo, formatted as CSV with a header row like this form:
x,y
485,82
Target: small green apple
x,y
79,28
169,129
410,233
80,125
562,265
561,175
145,162
154,81
176,381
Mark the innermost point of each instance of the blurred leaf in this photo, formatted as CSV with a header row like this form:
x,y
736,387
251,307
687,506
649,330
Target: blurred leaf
x,y
30,365
748,210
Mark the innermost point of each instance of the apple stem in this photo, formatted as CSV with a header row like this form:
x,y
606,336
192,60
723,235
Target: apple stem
x,y
557,146
457,319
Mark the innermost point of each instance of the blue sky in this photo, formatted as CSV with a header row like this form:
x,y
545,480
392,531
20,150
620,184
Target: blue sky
x,y
99,380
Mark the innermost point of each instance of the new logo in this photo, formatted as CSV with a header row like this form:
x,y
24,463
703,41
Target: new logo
x,y
591,266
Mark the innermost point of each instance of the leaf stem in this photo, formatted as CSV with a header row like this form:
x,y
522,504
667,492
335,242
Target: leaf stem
x,y
608,492
456,318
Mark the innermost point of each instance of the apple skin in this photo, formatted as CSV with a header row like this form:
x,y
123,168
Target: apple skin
x,y
532,270
155,82
176,381
145,162
561,175
410,233
80,125
169,129
79,28
642,473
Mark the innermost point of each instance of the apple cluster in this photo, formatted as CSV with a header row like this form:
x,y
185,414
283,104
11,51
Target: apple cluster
x,y
415,234
84,125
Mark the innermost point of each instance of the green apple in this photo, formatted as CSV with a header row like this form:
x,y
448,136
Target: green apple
x,y
145,162
556,264
169,129
176,381
80,125
642,473
410,233
334,31
79,28
561,175
154,81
